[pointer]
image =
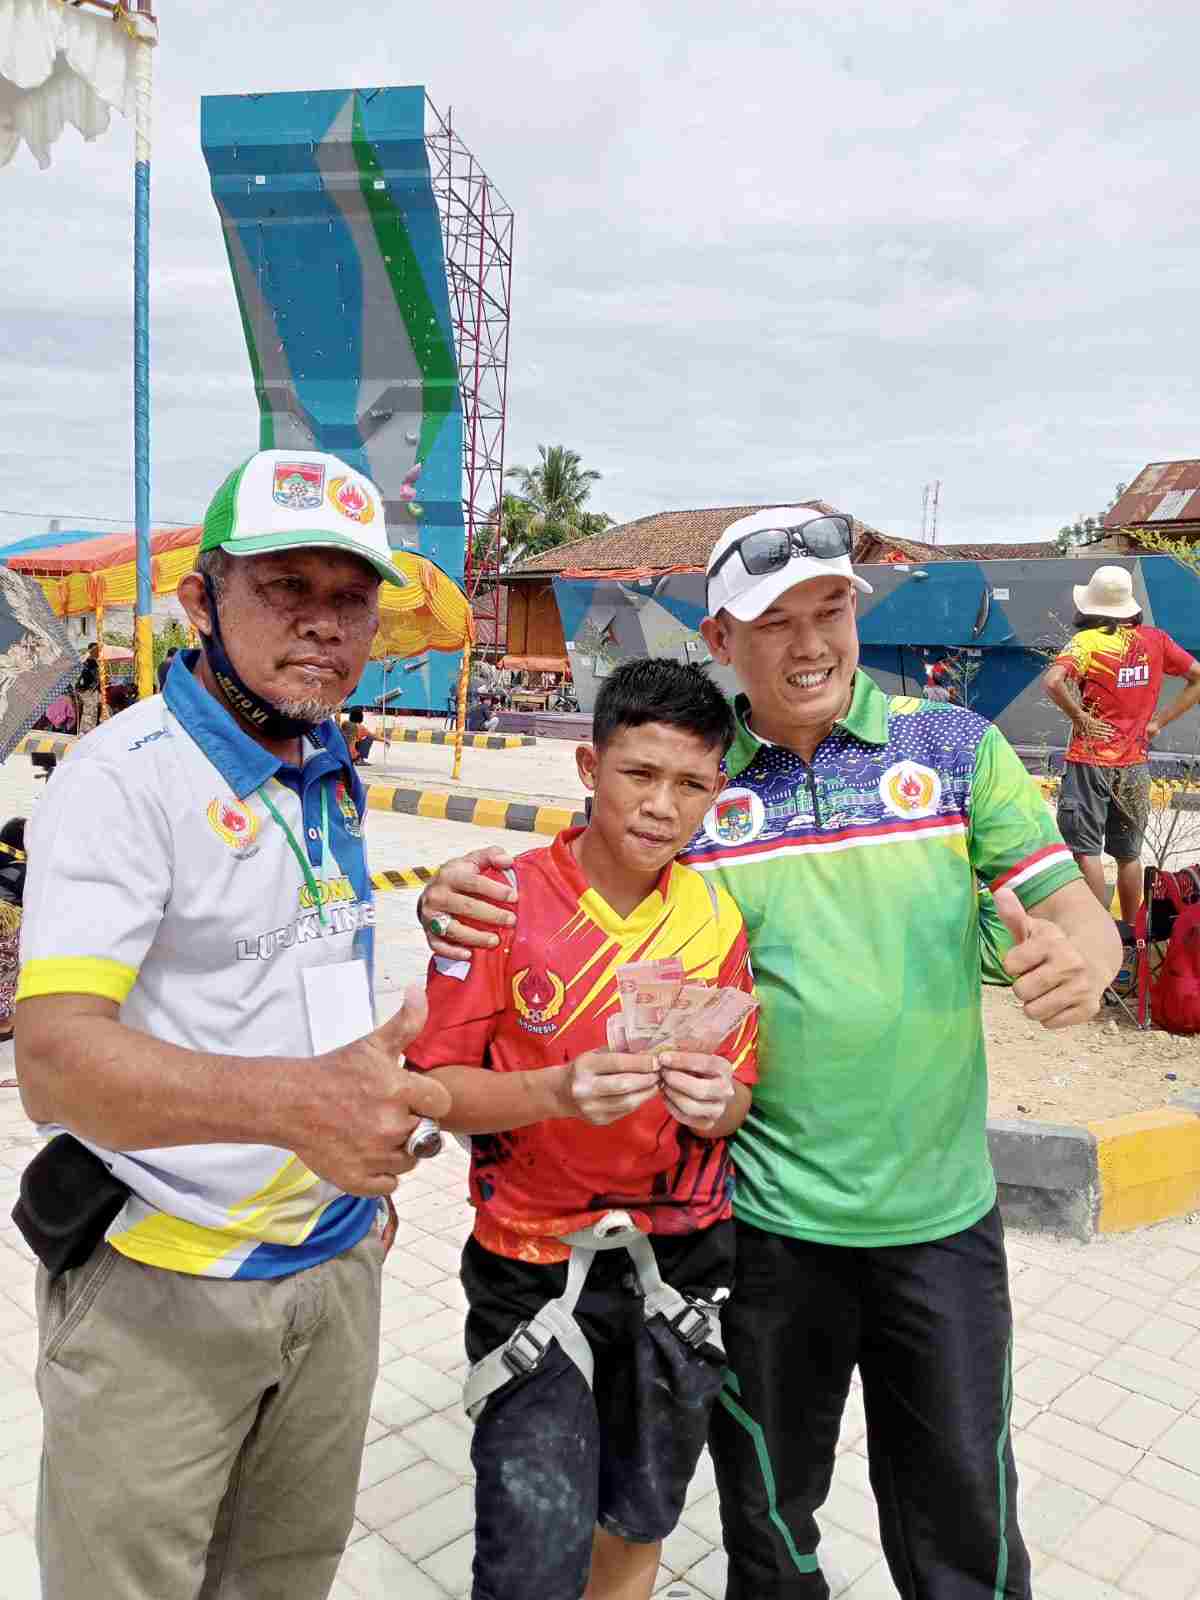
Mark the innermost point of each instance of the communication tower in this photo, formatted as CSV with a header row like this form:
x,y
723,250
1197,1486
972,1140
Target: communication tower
x,y
929,511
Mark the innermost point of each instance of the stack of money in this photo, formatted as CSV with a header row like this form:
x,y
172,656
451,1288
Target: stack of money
x,y
660,1011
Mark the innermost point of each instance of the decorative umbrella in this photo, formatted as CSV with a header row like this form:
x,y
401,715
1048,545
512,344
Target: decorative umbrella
x,y
37,660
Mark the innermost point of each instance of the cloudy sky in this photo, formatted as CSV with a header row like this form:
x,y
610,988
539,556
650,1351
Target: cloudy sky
x,y
764,251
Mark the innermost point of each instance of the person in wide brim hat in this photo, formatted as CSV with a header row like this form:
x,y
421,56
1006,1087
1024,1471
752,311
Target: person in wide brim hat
x,y
1107,593
1107,681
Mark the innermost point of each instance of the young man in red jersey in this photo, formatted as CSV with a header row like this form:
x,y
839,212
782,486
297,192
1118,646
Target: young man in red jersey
x,y
1110,676
578,1483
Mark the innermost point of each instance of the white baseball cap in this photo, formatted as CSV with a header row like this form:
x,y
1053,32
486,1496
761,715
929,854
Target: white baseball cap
x,y
1107,593
299,500
746,596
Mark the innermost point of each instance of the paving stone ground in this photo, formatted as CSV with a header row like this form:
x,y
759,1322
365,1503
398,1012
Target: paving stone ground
x,y
1106,1408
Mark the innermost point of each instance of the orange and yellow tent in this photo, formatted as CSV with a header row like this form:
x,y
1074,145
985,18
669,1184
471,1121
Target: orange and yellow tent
x,y
430,612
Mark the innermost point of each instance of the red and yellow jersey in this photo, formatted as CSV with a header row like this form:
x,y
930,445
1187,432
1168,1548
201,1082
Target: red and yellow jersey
x,y
1120,678
543,997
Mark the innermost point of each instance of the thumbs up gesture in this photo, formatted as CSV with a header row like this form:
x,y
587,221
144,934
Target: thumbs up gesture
x,y
358,1106
1051,978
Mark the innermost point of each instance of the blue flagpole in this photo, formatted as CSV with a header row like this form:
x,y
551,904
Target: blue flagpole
x,y
146,34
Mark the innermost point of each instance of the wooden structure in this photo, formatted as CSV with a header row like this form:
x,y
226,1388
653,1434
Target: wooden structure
x,y
535,641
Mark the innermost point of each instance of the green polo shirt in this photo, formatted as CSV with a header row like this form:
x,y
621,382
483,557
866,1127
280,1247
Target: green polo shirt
x,y
857,876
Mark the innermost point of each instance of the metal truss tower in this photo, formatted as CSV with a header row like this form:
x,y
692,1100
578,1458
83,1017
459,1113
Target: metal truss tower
x,y
477,231
929,510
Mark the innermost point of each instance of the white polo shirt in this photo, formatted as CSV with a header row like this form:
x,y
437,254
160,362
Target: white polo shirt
x,y
162,876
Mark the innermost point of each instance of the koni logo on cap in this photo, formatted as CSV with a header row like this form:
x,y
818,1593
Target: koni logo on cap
x,y
298,485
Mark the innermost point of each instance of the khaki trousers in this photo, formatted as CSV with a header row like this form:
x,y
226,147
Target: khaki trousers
x,y
89,709
202,1436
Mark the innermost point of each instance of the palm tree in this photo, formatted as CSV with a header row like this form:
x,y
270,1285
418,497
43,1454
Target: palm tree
x,y
553,495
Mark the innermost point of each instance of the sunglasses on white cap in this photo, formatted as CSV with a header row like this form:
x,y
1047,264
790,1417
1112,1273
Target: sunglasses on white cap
x,y
766,550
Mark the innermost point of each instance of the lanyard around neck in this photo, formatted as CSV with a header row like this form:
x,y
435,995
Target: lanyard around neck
x,y
298,850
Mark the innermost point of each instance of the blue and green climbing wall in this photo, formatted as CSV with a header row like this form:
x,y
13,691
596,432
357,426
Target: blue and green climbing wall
x,y
334,241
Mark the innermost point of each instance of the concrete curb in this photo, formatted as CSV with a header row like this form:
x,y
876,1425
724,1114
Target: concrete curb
x,y
403,877
45,744
474,741
520,816
1106,1177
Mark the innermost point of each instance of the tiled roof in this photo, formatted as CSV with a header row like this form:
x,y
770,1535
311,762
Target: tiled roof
x,y
674,539
1039,550
667,539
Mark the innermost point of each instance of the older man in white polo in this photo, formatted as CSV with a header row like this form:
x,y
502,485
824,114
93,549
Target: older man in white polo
x,y
195,1010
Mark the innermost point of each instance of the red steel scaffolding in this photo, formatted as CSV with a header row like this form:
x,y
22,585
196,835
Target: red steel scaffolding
x,y
477,231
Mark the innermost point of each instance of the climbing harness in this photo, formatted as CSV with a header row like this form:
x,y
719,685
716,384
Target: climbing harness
x,y
695,1322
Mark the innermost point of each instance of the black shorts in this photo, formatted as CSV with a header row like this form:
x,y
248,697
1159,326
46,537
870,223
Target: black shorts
x,y
1104,807
554,1459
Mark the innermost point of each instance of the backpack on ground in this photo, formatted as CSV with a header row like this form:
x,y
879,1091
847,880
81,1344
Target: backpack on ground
x,y
1170,911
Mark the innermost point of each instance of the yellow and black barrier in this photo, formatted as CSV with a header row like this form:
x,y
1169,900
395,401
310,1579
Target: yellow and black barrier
x,y
471,741
46,744
403,877
517,815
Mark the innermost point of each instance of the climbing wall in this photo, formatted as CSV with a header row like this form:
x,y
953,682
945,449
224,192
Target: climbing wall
x,y
335,245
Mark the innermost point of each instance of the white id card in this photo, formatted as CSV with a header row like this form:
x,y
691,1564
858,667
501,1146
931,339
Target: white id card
x,y
338,1000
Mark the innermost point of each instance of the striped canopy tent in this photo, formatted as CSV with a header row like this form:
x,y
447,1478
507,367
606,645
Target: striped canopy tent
x,y
430,612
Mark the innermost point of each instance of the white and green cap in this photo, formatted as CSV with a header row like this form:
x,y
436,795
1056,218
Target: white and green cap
x,y
299,500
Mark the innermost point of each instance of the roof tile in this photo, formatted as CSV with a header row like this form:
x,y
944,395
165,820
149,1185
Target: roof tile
x,y
668,539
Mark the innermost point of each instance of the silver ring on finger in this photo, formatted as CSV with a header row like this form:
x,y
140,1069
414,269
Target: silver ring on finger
x,y
438,925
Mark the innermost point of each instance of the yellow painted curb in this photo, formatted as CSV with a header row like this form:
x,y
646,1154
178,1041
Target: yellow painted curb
x,y
553,819
1148,1167
490,813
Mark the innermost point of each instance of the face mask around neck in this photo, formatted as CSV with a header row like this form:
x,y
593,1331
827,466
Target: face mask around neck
x,y
262,716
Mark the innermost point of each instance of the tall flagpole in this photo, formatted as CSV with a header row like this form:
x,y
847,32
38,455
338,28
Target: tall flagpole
x,y
145,31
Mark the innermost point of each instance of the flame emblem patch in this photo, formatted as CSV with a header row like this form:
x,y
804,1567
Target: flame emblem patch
x,y
910,790
345,496
235,825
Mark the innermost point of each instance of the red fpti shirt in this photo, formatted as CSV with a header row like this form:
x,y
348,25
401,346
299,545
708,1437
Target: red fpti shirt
x,y
543,997
1120,676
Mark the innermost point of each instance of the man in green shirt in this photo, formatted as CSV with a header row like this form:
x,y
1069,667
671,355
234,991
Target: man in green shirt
x,y
851,834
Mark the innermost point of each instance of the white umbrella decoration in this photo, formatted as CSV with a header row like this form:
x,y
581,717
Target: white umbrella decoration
x,y
68,63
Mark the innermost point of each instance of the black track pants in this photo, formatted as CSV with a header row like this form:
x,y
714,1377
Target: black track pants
x,y
930,1328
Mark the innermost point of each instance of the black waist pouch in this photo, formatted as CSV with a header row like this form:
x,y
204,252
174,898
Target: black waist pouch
x,y
68,1198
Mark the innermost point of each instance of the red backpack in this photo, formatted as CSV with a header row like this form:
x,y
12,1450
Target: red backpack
x,y
1173,990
